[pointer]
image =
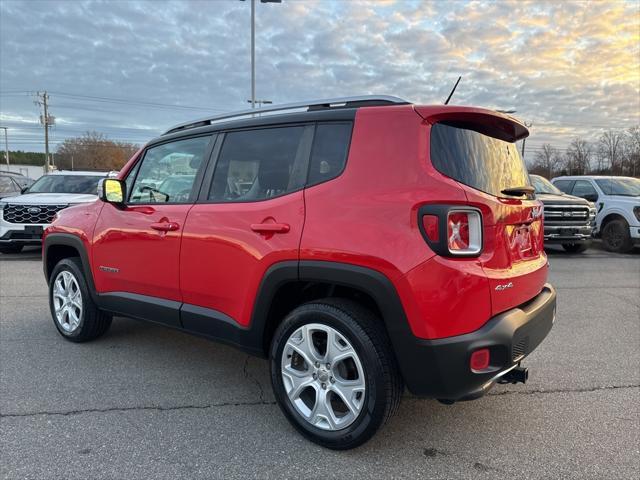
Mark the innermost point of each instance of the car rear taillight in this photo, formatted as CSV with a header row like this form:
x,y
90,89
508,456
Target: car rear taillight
x,y
464,232
451,230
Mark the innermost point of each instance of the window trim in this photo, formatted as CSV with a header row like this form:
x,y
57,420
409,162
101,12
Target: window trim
x,y
207,184
197,182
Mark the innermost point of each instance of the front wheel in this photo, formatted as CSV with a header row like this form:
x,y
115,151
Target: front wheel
x,y
74,314
333,372
575,247
616,236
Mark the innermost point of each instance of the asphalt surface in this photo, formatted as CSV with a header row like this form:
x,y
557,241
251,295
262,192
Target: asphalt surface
x,y
149,402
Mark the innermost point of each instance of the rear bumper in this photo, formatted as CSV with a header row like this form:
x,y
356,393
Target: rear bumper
x,y
440,368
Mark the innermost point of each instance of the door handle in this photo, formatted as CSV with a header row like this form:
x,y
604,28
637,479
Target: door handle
x,y
165,226
270,227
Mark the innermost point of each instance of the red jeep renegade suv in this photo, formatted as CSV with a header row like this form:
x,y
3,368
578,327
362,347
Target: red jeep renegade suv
x,y
360,244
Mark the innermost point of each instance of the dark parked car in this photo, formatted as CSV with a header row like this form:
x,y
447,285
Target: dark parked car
x,y
568,220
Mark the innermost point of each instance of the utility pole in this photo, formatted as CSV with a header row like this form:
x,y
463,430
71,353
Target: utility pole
x,y
6,146
528,125
46,121
253,53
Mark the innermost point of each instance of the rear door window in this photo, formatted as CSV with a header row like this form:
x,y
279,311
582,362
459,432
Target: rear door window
x,y
259,164
584,189
329,153
475,159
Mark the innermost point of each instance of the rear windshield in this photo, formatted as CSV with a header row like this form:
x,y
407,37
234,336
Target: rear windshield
x,y
477,160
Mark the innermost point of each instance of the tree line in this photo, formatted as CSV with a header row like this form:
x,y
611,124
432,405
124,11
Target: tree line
x,y
91,151
613,153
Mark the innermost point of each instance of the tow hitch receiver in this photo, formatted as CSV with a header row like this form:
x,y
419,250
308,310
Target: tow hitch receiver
x,y
517,375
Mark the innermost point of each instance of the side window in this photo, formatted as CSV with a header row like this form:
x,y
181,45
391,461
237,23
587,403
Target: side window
x,y
564,185
329,153
584,189
167,172
259,164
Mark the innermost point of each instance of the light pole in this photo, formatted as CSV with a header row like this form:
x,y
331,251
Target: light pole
x,y
253,47
260,102
6,146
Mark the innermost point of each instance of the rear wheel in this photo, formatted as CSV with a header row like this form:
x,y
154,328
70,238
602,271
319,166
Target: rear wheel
x,y
74,314
575,247
11,248
333,372
616,236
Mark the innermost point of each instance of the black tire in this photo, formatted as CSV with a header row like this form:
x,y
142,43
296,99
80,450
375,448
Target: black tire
x,y
575,247
93,322
366,334
11,248
616,236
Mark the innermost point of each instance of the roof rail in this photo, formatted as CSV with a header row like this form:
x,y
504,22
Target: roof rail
x,y
357,101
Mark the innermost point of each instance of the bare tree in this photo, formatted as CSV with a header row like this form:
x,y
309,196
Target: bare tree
x,y
632,151
578,156
610,147
546,161
93,151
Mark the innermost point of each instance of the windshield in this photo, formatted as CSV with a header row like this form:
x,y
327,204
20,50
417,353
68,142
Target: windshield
x,y
542,185
477,160
627,187
66,184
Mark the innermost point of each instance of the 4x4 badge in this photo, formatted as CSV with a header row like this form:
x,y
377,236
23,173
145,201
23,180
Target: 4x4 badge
x,y
500,288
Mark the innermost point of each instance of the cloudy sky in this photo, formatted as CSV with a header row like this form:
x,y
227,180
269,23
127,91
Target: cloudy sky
x,y
130,69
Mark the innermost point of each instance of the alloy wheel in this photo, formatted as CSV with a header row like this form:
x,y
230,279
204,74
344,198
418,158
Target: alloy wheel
x,y
67,301
323,376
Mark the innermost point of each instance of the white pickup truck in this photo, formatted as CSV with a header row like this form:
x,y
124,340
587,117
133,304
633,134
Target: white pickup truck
x,y
617,201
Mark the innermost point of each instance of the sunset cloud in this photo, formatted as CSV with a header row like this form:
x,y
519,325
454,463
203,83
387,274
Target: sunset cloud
x,y
572,68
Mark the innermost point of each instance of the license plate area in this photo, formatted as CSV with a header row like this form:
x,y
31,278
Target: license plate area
x,y
34,230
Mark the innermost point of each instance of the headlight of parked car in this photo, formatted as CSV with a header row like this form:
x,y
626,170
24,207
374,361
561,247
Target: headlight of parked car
x,y
636,212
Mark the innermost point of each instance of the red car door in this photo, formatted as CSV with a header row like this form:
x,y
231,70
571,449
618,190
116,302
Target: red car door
x,y
136,247
250,217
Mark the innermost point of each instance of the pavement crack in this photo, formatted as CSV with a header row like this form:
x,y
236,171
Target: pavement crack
x,y
157,408
564,390
249,376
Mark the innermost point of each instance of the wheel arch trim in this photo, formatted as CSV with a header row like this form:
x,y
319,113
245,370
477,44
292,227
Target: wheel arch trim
x,y
68,240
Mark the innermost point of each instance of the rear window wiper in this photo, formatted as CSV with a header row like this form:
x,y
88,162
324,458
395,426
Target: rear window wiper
x,y
518,191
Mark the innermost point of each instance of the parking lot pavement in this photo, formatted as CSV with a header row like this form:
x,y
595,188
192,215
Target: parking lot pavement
x,y
145,401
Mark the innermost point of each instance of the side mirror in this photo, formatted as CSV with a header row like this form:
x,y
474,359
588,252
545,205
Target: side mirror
x,y
112,190
24,190
592,197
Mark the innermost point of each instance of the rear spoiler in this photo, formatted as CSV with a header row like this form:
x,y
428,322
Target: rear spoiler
x,y
487,122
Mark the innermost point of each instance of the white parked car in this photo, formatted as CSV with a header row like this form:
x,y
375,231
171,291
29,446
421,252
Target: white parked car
x,y
24,217
617,201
